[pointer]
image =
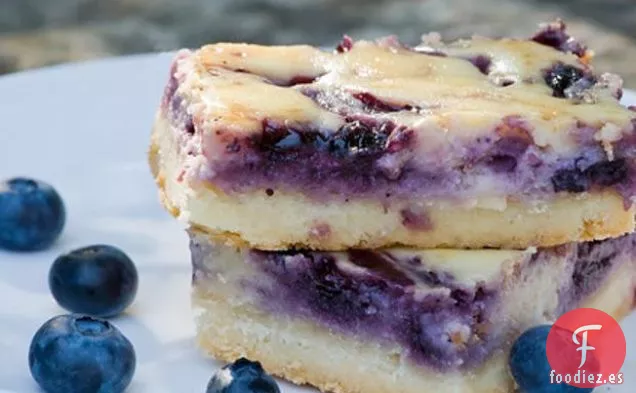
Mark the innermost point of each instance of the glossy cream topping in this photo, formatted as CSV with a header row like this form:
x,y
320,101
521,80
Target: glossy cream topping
x,y
235,87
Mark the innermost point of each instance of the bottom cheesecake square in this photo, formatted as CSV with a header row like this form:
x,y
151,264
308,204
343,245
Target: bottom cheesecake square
x,y
399,320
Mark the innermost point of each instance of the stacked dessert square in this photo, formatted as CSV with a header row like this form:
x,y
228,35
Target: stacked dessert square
x,y
389,218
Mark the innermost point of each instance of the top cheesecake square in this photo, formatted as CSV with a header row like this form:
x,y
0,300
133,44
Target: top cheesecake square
x,y
470,144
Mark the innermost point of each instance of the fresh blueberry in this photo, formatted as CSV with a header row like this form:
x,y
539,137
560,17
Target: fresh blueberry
x,y
32,215
529,364
78,354
242,376
97,280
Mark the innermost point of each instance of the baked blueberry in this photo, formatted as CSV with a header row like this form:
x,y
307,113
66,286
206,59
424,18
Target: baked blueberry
x,y
357,138
562,76
98,280
242,376
529,364
570,180
283,139
603,174
32,214
79,354
607,173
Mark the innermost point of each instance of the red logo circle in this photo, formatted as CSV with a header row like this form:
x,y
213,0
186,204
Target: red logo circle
x,y
586,348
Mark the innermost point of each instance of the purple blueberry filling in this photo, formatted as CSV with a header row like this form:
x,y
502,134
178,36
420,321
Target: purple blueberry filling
x,y
554,35
483,63
381,303
297,80
592,263
417,221
373,104
352,139
513,142
440,322
364,158
168,102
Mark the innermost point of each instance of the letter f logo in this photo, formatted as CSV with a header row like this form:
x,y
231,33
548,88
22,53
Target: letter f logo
x,y
583,344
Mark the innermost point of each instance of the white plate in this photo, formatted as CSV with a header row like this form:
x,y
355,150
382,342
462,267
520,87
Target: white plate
x,y
85,129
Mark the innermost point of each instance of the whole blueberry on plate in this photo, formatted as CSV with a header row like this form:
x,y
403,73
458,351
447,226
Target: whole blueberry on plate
x,y
98,280
529,364
242,376
79,354
32,214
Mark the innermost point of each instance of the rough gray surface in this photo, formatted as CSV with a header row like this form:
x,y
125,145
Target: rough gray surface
x,y
34,33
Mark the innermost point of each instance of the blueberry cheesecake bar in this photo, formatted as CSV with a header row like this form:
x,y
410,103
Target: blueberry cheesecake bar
x,y
397,320
475,143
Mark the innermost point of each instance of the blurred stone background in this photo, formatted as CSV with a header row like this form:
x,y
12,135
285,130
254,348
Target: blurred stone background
x,y
35,33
